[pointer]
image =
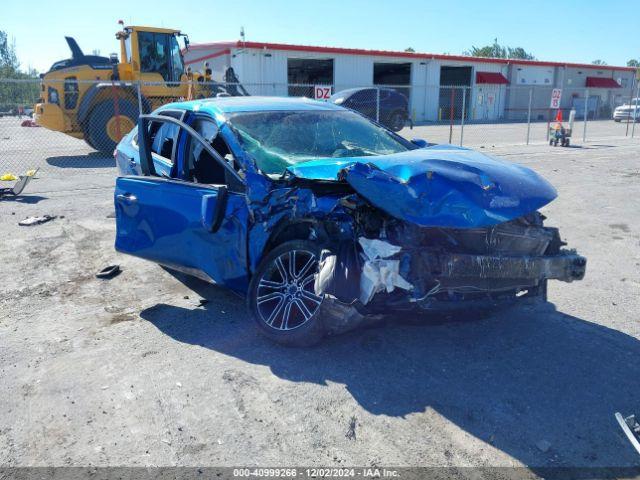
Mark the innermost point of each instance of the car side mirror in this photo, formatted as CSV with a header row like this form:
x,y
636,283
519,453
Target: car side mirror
x,y
420,143
212,210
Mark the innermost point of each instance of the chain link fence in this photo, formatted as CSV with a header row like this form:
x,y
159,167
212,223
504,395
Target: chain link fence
x,y
75,124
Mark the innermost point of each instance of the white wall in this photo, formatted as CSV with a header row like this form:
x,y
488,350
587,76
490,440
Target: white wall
x,y
264,72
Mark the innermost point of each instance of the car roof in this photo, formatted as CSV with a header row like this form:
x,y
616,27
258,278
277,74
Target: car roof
x,y
350,91
227,105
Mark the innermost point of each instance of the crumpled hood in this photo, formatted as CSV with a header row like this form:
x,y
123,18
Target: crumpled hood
x,y
438,186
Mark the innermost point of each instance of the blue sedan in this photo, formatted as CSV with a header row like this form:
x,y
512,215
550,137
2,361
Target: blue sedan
x,y
322,218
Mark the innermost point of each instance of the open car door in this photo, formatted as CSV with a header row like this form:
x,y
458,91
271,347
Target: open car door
x,y
196,228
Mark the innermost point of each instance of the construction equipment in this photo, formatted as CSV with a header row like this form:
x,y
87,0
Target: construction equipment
x,y
99,99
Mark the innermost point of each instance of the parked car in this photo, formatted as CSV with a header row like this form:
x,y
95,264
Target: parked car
x,y
629,111
394,106
322,218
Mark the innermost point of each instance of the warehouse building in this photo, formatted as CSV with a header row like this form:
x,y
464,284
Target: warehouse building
x,y
496,89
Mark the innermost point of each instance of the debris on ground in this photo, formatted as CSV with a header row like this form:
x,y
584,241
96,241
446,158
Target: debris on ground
x,y
19,186
109,272
30,221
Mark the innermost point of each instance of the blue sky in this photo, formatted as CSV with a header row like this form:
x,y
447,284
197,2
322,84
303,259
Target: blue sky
x,y
568,30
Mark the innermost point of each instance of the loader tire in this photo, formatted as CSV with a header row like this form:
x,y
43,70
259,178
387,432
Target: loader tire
x,y
102,129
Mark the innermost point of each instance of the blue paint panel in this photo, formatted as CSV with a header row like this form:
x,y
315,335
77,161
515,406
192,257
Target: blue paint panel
x,y
160,220
439,186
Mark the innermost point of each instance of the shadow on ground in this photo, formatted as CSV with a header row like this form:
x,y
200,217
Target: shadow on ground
x,y
540,385
91,160
31,199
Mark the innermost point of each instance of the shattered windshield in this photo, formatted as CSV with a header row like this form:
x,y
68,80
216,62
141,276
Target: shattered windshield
x,y
279,139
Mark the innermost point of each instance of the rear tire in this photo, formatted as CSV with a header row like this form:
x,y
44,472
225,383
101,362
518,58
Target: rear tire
x,y
101,129
281,296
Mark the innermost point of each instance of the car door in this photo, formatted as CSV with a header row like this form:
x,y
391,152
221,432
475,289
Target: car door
x,y
198,228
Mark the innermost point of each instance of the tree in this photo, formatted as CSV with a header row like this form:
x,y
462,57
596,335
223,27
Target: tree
x,y
410,50
495,50
14,94
633,63
8,59
519,53
598,62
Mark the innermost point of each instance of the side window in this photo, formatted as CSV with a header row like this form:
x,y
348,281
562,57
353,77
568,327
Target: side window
x,y
163,138
202,167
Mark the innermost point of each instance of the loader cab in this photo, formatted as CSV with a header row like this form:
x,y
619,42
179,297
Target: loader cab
x,y
153,54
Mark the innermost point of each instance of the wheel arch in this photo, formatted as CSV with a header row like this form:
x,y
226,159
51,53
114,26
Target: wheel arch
x,y
284,231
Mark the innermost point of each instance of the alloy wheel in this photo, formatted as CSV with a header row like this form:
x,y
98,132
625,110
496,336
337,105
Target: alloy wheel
x,y
285,295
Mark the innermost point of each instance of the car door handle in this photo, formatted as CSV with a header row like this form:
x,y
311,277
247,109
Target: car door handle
x,y
127,198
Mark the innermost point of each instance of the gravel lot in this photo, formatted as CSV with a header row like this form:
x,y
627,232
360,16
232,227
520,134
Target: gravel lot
x,y
136,371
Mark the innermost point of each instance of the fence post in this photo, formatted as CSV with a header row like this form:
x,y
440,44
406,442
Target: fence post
x,y
586,114
464,104
529,115
378,104
451,111
635,111
139,88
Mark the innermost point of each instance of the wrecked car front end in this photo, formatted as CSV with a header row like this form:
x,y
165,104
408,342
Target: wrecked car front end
x,y
431,229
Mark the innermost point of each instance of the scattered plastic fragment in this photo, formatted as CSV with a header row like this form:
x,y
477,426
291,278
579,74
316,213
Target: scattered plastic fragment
x,y
30,221
109,272
378,273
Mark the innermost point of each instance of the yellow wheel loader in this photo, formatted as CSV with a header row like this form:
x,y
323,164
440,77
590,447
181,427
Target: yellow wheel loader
x,y
97,98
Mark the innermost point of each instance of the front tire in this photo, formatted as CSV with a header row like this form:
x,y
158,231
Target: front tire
x,y
281,296
103,130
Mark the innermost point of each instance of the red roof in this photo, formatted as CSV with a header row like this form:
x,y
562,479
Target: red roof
x,y
388,53
491,77
600,82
